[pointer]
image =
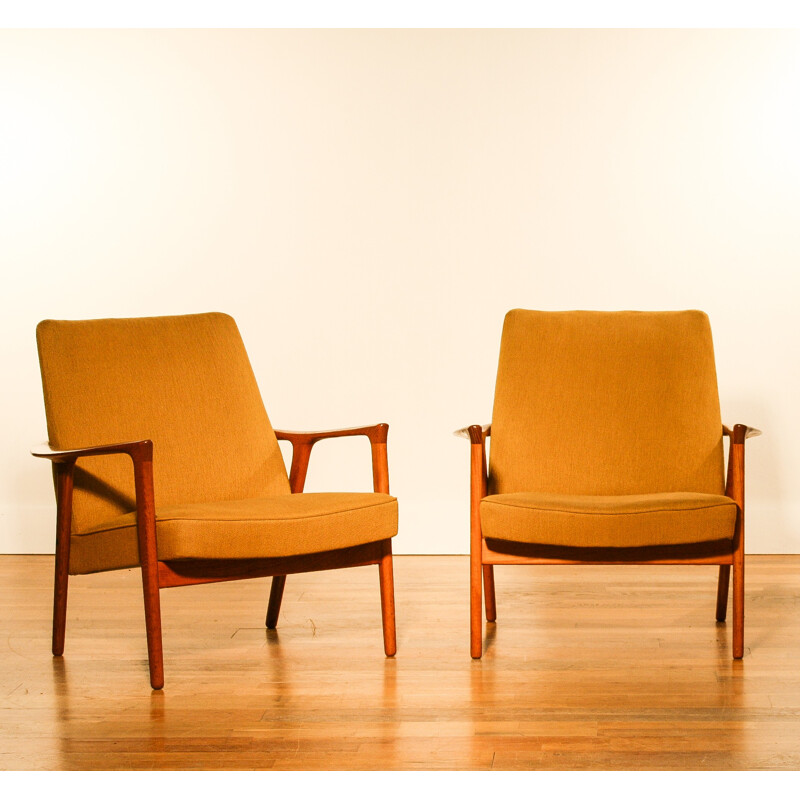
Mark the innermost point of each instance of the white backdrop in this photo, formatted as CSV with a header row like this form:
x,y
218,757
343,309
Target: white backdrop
x,y
368,205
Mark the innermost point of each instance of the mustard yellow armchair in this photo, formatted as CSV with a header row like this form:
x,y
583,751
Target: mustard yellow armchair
x,y
165,459
606,447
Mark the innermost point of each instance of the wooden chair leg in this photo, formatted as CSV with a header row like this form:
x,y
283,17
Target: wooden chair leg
x,y
152,619
738,604
64,473
488,592
386,574
61,584
722,591
275,597
148,558
475,621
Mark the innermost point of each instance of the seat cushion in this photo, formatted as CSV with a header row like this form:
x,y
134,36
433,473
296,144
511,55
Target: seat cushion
x,y
640,520
283,525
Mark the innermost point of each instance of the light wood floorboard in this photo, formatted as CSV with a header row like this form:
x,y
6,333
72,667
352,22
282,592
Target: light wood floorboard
x,y
595,667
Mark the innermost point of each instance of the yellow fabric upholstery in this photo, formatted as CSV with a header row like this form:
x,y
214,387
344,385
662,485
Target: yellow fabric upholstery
x,y
606,403
283,525
608,521
606,432
221,488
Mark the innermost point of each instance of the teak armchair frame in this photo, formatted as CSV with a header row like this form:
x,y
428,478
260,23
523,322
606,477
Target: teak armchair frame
x,y
158,575
484,554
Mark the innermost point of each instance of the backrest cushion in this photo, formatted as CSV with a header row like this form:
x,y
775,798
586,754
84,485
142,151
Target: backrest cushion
x,y
185,382
605,403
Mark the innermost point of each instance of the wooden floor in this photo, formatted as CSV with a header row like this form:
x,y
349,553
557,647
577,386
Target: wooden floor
x,y
611,668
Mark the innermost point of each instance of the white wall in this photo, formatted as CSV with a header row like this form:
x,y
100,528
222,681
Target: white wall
x,y
369,204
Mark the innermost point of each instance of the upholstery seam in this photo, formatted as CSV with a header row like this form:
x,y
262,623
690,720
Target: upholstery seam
x,y
263,519
610,513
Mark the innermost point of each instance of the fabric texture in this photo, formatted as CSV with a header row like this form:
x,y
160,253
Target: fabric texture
x,y
271,527
184,382
608,521
606,403
606,432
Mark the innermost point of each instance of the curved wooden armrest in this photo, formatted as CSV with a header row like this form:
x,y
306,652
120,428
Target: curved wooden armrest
x,y
740,433
475,433
303,441
139,449
377,434
141,454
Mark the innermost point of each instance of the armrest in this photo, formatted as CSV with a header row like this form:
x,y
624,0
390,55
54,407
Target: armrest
x,y
740,433
475,433
136,450
734,483
303,441
141,454
375,433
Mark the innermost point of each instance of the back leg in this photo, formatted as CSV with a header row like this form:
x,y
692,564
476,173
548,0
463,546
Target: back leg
x,y
275,597
488,592
722,591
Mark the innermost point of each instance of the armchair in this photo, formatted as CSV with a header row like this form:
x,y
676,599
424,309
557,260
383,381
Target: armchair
x,y
606,449
208,498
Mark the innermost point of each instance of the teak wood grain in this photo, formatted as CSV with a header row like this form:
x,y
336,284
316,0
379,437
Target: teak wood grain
x,y
591,668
